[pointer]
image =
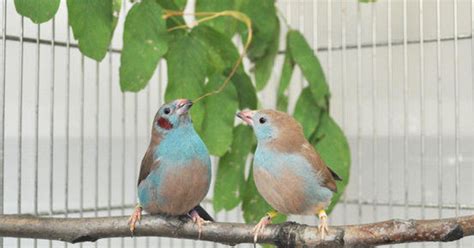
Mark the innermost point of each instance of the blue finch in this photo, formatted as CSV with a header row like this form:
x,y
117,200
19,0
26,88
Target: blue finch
x,y
288,172
175,173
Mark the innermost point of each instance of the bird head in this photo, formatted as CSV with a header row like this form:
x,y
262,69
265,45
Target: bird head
x,y
270,124
173,115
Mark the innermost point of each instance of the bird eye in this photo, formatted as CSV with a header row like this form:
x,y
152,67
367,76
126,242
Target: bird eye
x,y
262,120
167,111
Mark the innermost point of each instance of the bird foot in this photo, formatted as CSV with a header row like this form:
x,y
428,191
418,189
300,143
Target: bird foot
x,y
134,218
323,224
198,221
258,229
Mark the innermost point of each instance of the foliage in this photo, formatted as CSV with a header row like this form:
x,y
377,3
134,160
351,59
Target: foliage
x,y
199,60
37,10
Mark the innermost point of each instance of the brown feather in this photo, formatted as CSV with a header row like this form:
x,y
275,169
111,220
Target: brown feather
x,y
291,140
148,163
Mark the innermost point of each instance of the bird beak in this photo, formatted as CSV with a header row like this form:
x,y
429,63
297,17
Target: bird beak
x,y
246,115
183,106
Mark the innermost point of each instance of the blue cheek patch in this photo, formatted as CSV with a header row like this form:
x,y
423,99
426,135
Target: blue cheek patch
x,y
264,131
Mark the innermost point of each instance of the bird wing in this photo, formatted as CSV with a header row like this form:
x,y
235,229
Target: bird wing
x,y
148,162
328,176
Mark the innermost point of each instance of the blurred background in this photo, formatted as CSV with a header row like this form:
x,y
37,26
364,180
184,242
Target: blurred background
x,y
401,77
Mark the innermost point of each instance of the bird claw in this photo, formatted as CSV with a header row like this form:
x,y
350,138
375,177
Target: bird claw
x,y
258,229
198,221
323,224
134,218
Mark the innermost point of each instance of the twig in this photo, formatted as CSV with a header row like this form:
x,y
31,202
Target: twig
x,y
207,16
283,235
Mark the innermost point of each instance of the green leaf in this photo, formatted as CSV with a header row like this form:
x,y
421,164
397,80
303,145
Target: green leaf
x,y
245,90
286,73
175,20
222,53
145,41
38,11
264,66
181,4
187,67
225,24
307,112
264,25
334,150
92,24
231,170
116,5
219,118
309,64
222,56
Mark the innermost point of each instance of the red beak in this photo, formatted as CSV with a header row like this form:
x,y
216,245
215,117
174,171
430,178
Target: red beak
x,y
246,115
183,106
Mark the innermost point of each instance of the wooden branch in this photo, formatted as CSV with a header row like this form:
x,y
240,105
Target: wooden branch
x,y
288,234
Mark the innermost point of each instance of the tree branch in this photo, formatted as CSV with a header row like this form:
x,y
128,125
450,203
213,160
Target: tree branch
x,y
288,234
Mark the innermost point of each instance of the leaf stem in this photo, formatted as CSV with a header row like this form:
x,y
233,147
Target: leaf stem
x,y
209,16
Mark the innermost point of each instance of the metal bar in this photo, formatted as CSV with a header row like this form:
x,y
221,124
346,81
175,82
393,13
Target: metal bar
x,y
472,76
38,54
135,150
319,49
448,206
86,210
405,107
359,108
315,21
109,151
51,152
389,106
392,42
124,157
329,34
82,116
20,123
457,165
343,87
68,103
374,110
2,115
466,207
149,125
329,55
440,110
96,164
422,112
48,42
160,102
301,26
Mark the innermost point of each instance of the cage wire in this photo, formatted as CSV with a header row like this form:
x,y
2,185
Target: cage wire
x,y
401,77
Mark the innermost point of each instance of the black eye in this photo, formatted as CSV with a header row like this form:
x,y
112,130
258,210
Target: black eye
x,y
262,120
166,111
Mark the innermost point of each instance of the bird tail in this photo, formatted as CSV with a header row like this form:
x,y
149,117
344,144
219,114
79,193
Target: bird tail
x,y
334,175
203,213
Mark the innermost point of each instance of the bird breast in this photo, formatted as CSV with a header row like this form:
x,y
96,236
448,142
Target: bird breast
x,y
175,189
288,183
